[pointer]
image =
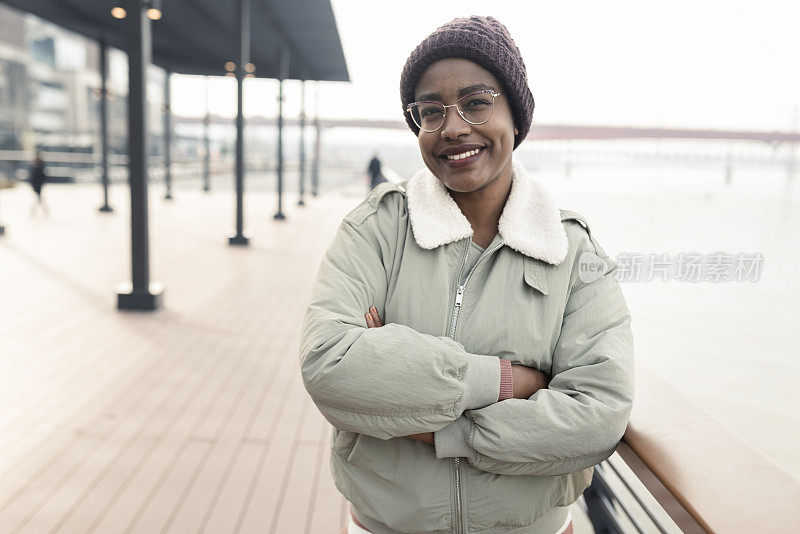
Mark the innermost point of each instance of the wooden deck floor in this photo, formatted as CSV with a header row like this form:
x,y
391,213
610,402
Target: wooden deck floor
x,y
189,419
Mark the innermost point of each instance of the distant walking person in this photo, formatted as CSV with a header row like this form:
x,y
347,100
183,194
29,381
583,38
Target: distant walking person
x,y
374,169
37,179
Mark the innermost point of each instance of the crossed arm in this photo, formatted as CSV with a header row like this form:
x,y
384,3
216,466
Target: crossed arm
x,y
584,405
526,381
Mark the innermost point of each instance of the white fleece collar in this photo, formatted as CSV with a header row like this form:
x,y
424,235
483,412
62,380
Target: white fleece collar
x,y
530,222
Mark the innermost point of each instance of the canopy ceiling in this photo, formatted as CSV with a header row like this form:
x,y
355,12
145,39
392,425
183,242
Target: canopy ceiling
x,y
199,36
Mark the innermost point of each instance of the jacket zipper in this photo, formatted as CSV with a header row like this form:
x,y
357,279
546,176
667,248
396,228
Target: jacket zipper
x,y
459,521
462,287
459,299
456,461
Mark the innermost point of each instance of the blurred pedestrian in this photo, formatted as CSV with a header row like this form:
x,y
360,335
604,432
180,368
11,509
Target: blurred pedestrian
x,y
374,170
37,179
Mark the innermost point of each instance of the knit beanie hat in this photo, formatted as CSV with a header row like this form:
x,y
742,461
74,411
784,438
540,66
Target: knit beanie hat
x,y
485,41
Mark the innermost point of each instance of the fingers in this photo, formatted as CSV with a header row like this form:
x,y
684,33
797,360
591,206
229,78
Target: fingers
x,y
373,319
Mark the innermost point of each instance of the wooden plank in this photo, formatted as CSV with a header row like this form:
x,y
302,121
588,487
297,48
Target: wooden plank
x,y
264,491
210,469
163,504
227,446
324,507
294,494
72,399
131,509
158,436
224,510
156,413
52,460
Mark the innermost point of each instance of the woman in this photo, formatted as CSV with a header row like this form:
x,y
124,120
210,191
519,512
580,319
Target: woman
x,y
37,179
467,339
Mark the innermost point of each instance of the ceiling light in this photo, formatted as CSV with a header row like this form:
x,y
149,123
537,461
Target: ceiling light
x,y
118,12
154,14
249,67
230,66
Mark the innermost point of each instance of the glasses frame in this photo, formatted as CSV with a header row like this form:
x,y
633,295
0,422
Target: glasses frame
x,y
492,92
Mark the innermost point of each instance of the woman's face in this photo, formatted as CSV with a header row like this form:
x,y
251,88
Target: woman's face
x,y
446,81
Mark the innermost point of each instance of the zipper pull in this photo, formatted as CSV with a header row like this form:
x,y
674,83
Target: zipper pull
x,y
459,296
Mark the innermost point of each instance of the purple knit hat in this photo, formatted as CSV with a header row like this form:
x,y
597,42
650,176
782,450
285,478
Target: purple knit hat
x,y
485,41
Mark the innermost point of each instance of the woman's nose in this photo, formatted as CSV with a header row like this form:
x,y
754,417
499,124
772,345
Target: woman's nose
x,y
454,125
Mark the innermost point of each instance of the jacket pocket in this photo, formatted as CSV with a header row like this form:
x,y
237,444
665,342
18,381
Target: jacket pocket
x,y
536,275
398,482
509,500
344,442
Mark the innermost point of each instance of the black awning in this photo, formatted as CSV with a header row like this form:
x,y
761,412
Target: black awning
x,y
199,36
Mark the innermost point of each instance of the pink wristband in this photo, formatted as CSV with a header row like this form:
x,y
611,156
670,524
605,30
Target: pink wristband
x,y
506,380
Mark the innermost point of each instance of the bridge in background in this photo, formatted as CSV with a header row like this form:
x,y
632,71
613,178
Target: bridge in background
x,y
544,131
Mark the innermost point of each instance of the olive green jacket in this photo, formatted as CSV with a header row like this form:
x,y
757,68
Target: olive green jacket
x,y
543,295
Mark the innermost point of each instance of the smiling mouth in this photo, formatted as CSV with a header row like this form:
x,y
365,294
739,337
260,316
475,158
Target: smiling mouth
x,y
464,155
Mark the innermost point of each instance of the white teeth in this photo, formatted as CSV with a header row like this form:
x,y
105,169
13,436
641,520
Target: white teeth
x,y
465,154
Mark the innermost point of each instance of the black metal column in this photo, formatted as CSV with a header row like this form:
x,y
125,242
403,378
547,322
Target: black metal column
x,y
302,169
2,230
140,293
243,18
167,136
315,164
206,146
284,68
104,125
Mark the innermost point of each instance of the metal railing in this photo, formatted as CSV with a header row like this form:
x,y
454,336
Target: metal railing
x,y
677,469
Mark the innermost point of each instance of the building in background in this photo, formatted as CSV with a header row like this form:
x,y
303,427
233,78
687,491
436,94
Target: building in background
x,y
50,96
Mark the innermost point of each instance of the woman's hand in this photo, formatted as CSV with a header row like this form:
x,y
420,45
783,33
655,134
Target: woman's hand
x,y
527,381
374,321
426,437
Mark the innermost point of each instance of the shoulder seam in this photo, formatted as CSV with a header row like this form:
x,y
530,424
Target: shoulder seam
x,y
370,204
567,215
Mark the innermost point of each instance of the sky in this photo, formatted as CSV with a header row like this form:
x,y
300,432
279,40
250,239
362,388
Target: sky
x,y
696,64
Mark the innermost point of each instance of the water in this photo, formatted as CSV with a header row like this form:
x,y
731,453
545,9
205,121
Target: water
x,y
730,347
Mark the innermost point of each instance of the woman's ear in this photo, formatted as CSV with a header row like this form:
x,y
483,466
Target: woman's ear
x,y
516,132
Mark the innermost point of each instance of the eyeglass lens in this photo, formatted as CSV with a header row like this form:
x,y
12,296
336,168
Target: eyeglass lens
x,y
475,108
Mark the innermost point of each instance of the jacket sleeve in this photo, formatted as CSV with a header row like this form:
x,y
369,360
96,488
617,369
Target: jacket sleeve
x,y
578,420
389,381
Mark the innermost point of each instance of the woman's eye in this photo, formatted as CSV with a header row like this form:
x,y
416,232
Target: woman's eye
x,y
476,103
430,112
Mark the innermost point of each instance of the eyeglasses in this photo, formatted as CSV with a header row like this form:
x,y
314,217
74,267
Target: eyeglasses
x,y
475,108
